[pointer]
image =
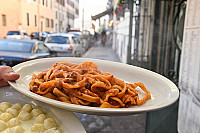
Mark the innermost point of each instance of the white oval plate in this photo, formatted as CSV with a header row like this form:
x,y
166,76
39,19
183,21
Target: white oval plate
x,y
163,91
67,120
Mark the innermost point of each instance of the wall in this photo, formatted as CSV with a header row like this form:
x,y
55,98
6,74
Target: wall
x,y
13,16
45,12
61,15
121,36
121,39
31,9
141,32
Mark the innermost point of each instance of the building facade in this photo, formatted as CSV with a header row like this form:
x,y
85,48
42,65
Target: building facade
x,y
60,18
72,12
149,34
37,15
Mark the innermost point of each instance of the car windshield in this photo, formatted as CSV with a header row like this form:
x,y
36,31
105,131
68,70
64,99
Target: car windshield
x,y
13,33
35,34
77,36
58,39
15,46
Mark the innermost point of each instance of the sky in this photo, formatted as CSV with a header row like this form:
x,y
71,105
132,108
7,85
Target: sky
x,y
91,8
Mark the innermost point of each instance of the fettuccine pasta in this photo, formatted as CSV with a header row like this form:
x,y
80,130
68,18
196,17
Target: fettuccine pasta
x,y
85,84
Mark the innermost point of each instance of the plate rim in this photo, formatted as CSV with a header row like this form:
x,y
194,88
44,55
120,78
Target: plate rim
x,y
95,110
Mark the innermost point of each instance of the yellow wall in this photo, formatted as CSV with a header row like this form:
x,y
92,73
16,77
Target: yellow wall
x,y
31,8
10,8
41,11
16,14
46,12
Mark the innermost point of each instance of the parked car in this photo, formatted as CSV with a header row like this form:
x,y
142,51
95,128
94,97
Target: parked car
x,y
17,35
39,35
80,39
35,35
13,52
64,43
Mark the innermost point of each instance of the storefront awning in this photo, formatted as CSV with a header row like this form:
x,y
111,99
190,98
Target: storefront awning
x,y
98,16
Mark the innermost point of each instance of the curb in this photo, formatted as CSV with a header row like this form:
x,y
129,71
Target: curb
x,y
89,51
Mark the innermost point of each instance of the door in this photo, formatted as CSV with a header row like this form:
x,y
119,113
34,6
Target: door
x,y
41,25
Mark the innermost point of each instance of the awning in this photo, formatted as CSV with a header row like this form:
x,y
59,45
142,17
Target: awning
x,y
98,16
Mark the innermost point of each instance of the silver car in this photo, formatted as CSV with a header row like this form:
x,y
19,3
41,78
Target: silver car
x,y
13,52
64,43
17,35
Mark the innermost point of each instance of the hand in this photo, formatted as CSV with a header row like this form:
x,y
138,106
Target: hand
x,y
7,74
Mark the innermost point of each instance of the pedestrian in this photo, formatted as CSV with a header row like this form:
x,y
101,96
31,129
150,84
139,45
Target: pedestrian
x,y
95,38
7,74
103,38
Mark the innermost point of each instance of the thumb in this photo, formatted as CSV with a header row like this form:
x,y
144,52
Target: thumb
x,y
11,76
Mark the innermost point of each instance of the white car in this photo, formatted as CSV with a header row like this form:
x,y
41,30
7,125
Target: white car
x,y
64,43
79,36
17,35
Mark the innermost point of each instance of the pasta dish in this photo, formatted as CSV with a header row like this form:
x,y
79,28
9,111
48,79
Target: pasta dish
x,y
85,84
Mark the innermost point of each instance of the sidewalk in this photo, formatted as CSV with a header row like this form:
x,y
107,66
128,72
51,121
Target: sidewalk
x,y
110,124
103,53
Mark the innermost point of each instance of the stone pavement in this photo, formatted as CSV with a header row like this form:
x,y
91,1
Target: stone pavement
x,y
103,53
110,124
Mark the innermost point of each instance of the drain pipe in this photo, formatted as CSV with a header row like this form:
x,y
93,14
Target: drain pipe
x,y
128,56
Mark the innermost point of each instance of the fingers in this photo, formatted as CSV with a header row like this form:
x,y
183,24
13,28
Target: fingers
x,y
8,74
3,83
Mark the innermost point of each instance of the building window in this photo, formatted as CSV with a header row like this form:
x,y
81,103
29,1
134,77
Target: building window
x,y
35,20
42,2
52,24
56,14
46,3
4,20
63,2
70,15
47,22
77,11
69,2
56,26
28,19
